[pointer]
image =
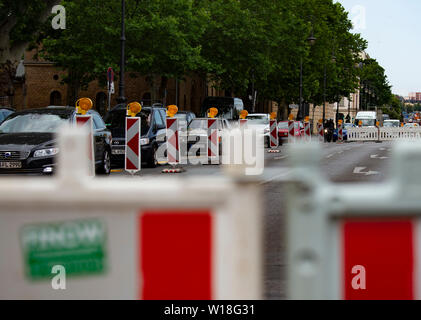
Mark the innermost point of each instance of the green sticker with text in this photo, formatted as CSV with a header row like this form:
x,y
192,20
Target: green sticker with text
x,y
79,246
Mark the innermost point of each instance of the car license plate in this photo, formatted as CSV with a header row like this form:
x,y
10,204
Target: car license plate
x,y
10,165
118,151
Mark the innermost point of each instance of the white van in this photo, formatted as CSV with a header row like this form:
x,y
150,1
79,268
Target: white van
x,y
368,118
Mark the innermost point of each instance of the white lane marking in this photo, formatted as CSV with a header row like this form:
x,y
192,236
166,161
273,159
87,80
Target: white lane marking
x,y
281,158
330,156
376,156
277,177
382,149
359,170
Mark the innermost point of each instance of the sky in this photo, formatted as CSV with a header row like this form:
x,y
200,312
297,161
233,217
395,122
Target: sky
x,y
392,29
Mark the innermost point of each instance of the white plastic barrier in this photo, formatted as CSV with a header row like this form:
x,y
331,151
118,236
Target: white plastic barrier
x,y
354,241
386,134
127,238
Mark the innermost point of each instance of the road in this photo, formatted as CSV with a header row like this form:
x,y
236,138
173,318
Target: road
x,y
349,162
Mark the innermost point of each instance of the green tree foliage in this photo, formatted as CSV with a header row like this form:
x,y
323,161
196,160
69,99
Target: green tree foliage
x,y
19,21
236,43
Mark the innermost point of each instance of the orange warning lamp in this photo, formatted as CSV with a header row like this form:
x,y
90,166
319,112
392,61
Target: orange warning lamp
x,y
243,114
83,105
307,119
133,109
172,111
360,123
340,121
402,125
273,116
291,117
378,124
321,121
212,112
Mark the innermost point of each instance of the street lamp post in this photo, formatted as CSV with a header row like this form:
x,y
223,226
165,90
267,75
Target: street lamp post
x,y
122,98
311,40
324,88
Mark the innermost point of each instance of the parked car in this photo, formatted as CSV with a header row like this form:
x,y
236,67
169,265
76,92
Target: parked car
x,y
5,112
152,125
283,130
228,108
184,118
260,121
391,124
28,142
197,132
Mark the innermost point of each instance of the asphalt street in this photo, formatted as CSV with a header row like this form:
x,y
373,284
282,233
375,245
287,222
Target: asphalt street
x,y
341,163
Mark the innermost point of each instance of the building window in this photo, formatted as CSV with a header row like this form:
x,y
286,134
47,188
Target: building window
x,y
55,98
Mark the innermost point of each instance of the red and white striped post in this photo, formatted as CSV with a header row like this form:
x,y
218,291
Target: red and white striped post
x,y
83,120
307,133
291,129
173,141
133,152
213,141
321,131
340,132
274,136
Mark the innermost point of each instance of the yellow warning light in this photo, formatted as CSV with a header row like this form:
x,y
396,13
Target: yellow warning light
x,y
273,116
243,114
307,119
291,117
83,105
402,124
378,124
321,121
133,109
360,123
340,121
212,112
172,111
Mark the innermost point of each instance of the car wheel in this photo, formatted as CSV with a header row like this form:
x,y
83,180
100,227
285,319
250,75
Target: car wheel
x,y
105,168
152,161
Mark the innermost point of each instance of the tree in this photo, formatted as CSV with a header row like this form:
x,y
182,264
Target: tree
x,y
19,21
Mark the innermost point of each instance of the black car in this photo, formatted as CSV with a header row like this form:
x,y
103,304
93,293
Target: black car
x,y
152,125
28,142
4,113
184,118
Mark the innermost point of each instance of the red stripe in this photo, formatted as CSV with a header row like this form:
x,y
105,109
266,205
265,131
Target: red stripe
x,y
134,144
385,249
130,165
176,255
131,122
170,122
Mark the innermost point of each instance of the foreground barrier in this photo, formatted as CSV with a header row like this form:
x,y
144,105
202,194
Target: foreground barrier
x,y
384,134
354,241
118,239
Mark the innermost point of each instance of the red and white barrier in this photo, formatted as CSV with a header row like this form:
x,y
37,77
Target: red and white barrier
x,y
274,137
243,123
86,121
291,131
340,133
354,241
321,132
173,147
307,131
202,242
213,141
133,153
